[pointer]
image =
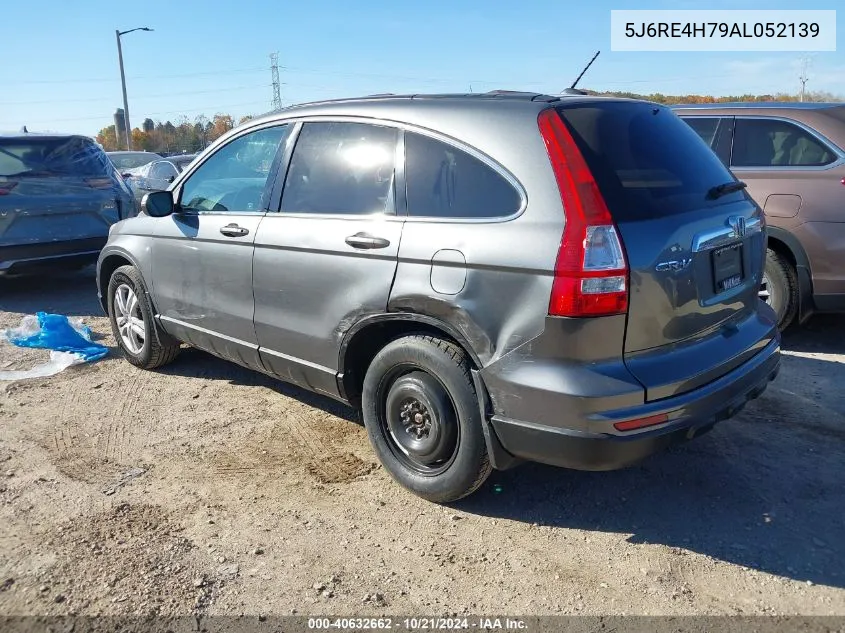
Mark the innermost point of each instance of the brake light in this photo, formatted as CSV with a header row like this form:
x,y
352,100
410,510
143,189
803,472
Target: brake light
x,y
6,187
591,273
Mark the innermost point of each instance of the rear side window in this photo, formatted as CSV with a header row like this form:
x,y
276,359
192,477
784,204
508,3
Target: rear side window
x,y
705,127
46,157
647,161
445,182
342,168
775,143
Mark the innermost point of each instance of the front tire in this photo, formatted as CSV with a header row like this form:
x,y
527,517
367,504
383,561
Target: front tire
x,y
138,336
421,412
779,288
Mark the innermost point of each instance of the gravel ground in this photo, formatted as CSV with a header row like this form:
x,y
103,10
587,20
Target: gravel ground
x,y
204,488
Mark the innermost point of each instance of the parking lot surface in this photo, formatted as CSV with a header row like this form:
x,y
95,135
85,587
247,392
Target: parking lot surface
x,y
206,488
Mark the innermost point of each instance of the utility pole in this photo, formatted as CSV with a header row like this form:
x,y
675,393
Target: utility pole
x,y
127,127
274,70
803,78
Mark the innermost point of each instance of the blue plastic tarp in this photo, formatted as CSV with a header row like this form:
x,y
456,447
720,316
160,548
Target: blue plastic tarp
x,y
55,332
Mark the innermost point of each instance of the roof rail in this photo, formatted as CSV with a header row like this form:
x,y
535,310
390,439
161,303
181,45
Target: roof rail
x,y
518,94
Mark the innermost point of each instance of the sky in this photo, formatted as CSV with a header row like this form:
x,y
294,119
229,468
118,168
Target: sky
x,y
60,69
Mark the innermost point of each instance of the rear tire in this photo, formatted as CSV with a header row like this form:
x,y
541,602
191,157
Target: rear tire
x,y
780,288
422,416
138,336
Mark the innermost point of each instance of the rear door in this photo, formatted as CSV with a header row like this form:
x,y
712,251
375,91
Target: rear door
x,y
55,190
328,256
695,247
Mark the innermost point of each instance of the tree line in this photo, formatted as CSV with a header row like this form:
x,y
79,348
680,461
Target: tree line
x,y
168,137
658,97
190,137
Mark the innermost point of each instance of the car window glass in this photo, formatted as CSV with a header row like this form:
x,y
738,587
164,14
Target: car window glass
x,y
47,156
446,182
775,143
132,160
647,162
343,168
234,177
705,127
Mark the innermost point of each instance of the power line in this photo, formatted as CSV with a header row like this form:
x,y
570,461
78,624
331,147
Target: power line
x,y
212,108
7,82
274,71
140,98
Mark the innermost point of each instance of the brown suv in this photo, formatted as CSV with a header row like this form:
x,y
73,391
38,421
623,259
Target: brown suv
x,y
792,156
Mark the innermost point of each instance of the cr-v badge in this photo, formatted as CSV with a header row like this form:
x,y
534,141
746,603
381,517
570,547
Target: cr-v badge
x,y
674,265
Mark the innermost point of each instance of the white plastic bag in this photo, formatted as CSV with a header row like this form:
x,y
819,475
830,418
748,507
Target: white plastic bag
x,y
59,361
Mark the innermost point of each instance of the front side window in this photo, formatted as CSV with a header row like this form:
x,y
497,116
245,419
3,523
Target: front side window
x,y
341,168
775,143
446,182
705,127
234,177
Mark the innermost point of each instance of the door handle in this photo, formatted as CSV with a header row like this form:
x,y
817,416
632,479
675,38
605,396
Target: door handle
x,y
233,230
365,240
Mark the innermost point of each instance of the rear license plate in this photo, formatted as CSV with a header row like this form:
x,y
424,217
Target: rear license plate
x,y
727,267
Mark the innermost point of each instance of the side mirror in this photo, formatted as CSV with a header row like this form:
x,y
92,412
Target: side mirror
x,y
171,178
157,204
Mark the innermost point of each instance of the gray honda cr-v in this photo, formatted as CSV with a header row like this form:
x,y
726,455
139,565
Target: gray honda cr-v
x,y
490,278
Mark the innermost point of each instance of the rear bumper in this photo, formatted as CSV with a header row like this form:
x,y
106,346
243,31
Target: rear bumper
x,y
690,414
25,257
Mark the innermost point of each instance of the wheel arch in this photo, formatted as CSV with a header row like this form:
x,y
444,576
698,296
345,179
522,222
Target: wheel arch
x,y
787,245
363,340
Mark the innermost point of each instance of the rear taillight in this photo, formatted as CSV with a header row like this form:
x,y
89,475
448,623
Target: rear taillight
x,y
591,274
6,187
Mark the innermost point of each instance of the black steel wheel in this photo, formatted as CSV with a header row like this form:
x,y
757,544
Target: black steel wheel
x,y
423,418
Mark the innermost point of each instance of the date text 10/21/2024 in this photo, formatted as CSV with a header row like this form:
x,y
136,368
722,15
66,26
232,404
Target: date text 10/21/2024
x,y
416,624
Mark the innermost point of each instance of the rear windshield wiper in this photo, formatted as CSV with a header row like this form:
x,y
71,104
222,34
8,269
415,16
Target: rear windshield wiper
x,y
725,188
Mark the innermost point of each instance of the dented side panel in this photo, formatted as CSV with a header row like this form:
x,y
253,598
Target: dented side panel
x,y
505,294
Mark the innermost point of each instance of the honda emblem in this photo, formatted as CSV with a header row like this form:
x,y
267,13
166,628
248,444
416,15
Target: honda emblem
x,y
737,223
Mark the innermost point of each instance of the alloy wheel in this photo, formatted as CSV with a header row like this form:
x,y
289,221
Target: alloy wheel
x,y
130,321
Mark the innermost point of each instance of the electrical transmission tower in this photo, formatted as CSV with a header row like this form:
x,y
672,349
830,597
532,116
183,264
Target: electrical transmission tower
x,y
274,69
804,78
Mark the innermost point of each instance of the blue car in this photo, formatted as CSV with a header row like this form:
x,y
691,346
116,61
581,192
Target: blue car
x,y
59,195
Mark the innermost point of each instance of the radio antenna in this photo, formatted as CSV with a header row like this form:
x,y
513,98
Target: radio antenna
x,y
586,68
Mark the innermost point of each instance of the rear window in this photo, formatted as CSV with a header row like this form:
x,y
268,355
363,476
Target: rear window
x,y
133,161
45,157
647,162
